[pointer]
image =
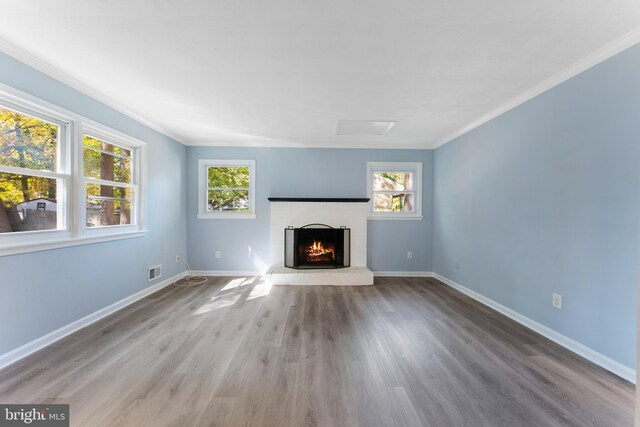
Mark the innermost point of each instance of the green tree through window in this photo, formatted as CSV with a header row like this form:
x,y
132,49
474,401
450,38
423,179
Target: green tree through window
x,y
228,188
29,143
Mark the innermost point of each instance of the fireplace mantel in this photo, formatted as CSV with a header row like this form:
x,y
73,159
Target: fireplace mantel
x,y
319,199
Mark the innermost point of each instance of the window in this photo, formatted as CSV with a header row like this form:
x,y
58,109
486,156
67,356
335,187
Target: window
x,y
111,186
47,199
227,189
34,173
394,190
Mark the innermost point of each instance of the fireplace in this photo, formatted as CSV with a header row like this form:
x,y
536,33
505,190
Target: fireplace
x,y
316,246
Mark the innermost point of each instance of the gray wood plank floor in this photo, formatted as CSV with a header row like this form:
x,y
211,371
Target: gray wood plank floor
x,y
234,352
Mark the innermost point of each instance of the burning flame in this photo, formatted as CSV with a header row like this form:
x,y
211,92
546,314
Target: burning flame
x,y
318,249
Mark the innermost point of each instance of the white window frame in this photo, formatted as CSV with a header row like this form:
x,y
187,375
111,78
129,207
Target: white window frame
x,y
138,180
203,188
70,171
413,167
62,173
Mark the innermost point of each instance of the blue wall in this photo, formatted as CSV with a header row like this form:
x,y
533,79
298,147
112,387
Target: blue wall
x,y
545,199
43,291
542,199
296,172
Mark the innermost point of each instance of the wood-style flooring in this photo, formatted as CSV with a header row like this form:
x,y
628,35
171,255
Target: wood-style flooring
x,y
235,352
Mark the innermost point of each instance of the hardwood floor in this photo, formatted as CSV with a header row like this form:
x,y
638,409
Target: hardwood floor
x,y
233,352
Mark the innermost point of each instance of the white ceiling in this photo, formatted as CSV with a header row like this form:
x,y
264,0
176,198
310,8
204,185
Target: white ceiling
x,y
282,72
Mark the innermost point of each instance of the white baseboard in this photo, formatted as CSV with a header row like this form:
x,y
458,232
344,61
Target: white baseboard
x,y
31,347
236,273
403,273
599,359
228,273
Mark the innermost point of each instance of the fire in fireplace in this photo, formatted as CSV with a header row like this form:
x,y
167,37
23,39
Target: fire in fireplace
x,y
316,246
317,252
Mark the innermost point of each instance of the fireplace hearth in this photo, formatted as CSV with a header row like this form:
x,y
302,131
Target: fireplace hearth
x,y
316,246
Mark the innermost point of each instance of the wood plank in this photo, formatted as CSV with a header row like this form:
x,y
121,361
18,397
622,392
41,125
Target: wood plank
x,y
234,351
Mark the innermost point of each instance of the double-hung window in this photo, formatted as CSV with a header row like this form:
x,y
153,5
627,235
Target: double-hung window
x,y
394,190
35,176
111,180
64,179
226,189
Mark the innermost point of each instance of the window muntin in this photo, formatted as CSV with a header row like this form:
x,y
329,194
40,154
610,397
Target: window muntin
x,y
110,182
394,190
227,189
33,184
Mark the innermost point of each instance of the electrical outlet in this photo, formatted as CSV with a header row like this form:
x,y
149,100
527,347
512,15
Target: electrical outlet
x,y
177,258
410,255
217,254
556,301
457,265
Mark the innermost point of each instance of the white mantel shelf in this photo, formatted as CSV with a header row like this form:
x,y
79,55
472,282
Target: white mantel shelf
x,y
349,276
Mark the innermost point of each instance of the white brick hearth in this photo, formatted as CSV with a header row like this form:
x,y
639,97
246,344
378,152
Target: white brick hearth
x,y
281,275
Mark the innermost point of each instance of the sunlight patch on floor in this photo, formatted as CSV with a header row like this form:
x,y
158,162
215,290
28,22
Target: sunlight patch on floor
x,y
234,290
261,289
234,283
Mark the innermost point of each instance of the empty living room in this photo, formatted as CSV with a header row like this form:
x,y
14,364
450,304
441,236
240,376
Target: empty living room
x,y
339,213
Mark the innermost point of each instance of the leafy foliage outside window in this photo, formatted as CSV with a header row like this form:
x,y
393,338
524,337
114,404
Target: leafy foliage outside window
x,y
228,188
31,144
393,192
26,142
107,204
98,153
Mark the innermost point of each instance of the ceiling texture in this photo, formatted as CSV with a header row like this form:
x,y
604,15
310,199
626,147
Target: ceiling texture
x,y
283,72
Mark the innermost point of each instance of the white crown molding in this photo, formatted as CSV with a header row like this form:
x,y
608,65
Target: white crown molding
x,y
599,359
48,69
50,338
258,143
584,64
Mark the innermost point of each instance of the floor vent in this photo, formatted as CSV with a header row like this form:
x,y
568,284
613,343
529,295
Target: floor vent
x,y
154,272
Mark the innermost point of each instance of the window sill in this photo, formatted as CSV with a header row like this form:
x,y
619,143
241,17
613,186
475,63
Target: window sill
x,y
228,216
67,242
395,218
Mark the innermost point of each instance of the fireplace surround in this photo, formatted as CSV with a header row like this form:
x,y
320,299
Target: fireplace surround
x,y
295,212
317,246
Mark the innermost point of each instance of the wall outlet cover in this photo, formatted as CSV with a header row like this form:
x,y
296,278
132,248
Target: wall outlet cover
x,y
556,301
